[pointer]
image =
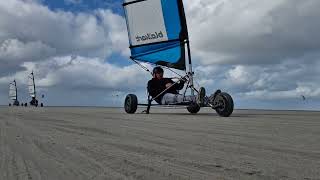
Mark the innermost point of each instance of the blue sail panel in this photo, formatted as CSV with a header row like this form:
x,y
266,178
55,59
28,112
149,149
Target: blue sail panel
x,y
172,19
167,55
157,31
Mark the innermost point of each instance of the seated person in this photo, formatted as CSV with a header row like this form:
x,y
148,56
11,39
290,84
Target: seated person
x,y
158,84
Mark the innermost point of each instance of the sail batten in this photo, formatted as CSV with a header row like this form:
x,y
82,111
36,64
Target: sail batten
x,y
157,31
132,2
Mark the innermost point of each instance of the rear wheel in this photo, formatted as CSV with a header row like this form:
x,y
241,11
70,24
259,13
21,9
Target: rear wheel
x,y
193,108
25,104
10,104
41,104
225,104
131,103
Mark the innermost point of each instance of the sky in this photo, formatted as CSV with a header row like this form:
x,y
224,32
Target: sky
x,y
264,53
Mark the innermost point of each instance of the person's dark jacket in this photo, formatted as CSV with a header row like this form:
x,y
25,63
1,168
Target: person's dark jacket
x,y
156,86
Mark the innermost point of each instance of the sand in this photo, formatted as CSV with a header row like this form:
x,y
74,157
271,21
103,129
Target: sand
x,y
106,143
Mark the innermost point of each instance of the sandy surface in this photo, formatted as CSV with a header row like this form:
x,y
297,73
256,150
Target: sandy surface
x,y
106,143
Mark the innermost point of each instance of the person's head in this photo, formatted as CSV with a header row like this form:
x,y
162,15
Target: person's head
x,y
157,72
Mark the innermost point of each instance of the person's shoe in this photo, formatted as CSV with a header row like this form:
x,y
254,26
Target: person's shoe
x,y
201,96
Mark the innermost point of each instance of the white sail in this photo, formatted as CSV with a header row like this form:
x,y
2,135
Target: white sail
x,y
12,91
146,22
31,85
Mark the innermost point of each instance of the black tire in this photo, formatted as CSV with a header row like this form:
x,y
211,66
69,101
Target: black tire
x,y
227,105
10,104
25,104
193,108
131,103
41,104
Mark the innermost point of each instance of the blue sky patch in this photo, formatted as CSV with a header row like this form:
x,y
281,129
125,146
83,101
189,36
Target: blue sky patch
x,y
84,5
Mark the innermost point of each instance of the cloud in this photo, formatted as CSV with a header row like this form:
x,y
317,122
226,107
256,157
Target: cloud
x,y
258,51
253,32
68,51
14,52
287,80
81,76
88,73
117,32
30,32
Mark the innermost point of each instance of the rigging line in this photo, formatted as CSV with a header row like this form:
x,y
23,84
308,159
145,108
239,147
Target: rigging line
x,y
171,70
153,64
143,67
146,69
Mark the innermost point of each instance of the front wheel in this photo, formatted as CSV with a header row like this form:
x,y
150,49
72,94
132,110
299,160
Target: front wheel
x,y
225,104
193,108
41,104
131,103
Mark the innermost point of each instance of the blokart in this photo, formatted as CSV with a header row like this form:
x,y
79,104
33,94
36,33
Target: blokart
x,y
13,93
32,91
158,35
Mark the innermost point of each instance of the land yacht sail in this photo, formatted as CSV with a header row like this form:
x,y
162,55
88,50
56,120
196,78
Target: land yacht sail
x,y
32,90
157,32
31,85
13,93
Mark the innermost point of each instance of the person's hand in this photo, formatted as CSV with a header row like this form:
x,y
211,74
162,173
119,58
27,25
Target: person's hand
x,y
168,85
184,79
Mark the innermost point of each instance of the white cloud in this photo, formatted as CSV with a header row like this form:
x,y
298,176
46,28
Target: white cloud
x,y
15,50
80,76
260,49
89,74
30,31
257,50
117,32
252,32
66,50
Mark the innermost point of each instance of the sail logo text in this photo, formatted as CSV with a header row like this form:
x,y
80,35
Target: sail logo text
x,y
150,36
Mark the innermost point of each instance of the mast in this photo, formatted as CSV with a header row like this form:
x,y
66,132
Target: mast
x,y
15,85
190,70
34,85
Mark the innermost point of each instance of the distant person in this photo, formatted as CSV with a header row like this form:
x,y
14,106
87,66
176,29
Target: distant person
x,y
158,84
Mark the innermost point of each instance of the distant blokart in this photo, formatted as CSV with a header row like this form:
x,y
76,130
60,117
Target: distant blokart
x,y
32,91
158,35
13,93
